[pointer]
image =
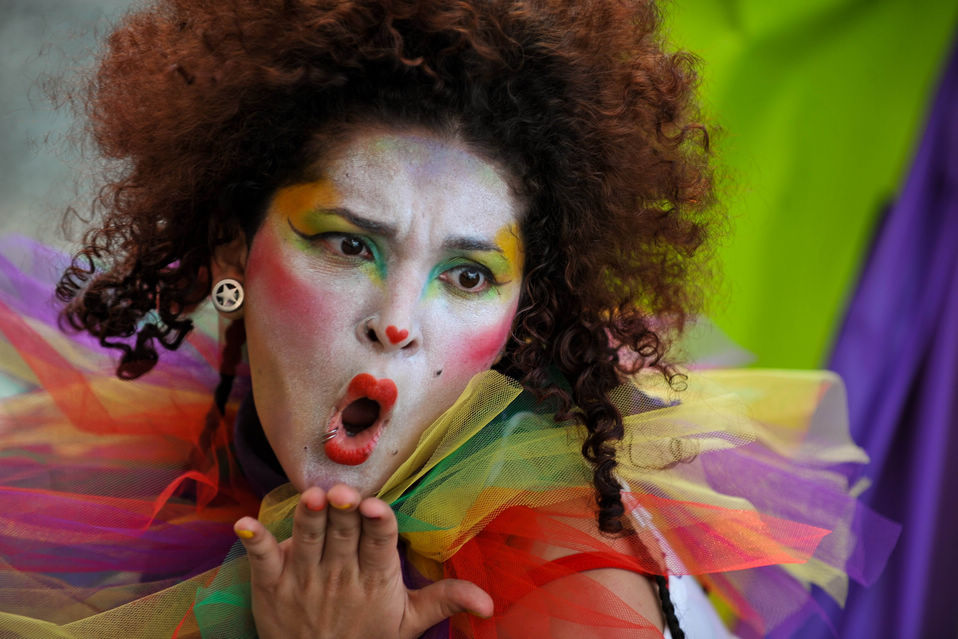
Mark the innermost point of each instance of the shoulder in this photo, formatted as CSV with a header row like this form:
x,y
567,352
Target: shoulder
x,y
635,590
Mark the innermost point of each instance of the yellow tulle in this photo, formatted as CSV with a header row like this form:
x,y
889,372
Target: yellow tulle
x,y
492,450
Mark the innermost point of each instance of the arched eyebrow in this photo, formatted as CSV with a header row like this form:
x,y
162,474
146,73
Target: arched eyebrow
x,y
370,226
384,229
462,243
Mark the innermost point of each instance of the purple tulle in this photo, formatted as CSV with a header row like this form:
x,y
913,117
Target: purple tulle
x,y
898,352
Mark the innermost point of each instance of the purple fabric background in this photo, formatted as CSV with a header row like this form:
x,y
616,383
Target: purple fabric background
x,y
898,353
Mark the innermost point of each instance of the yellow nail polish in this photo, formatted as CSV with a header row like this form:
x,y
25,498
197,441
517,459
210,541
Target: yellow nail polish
x,y
244,534
476,614
345,506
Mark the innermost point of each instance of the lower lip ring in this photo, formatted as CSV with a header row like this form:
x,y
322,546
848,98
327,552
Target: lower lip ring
x,y
340,449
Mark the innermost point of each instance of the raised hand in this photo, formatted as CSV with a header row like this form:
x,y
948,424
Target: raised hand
x,y
339,575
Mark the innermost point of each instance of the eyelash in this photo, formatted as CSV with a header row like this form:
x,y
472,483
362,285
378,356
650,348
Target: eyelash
x,y
330,239
334,240
488,280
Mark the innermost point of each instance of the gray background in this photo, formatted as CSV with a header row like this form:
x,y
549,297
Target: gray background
x,y
41,161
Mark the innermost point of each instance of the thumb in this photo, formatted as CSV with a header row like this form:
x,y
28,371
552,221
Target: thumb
x,y
430,605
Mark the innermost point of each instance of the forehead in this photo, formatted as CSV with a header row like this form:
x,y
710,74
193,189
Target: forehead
x,y
409,176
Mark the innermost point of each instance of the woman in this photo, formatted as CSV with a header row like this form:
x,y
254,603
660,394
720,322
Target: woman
x,y
395,197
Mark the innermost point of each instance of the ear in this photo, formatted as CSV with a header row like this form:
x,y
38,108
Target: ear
x,y
229,261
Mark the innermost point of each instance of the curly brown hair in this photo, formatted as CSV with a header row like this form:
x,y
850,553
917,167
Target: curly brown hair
x,y
209,106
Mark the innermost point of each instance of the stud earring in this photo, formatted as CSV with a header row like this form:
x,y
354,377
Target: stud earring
x,y
228,295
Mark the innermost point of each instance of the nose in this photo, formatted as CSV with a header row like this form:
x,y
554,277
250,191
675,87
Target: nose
x,y
378,331
394,325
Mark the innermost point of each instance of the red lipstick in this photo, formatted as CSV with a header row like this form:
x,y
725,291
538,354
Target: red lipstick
x,y
359,418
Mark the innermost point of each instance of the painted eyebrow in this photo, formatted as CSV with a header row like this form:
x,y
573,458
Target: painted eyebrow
x,y
370,226
469,244
459,243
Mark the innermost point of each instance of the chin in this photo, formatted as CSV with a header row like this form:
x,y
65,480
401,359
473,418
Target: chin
x,y
364,480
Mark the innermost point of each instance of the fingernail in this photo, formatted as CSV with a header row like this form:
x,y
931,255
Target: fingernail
x,y
242,533
314,507
343,506
476,614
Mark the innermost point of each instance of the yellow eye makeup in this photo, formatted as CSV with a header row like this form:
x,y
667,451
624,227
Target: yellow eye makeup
x,y
510,261
494,267
299,200
314,223
313,214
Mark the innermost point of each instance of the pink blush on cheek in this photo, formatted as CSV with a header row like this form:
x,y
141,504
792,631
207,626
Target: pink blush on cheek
x,y
274,281
479,351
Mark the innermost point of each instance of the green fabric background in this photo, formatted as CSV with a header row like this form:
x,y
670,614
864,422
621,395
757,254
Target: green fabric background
x,y
820,104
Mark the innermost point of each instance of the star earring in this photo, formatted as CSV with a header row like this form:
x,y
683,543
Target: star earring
x,y
228,295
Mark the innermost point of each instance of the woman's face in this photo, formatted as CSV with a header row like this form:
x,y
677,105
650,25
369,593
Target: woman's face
x,y
373,296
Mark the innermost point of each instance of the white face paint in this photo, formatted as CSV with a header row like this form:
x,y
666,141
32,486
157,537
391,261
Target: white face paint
x,y
373,296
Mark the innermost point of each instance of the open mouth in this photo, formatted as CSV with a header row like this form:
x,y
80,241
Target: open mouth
x,y
360,415
359,418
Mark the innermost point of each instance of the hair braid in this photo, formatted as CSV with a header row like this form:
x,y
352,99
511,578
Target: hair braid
x,y
668,608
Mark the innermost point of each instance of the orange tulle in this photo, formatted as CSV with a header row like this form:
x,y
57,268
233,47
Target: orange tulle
x,y
117,498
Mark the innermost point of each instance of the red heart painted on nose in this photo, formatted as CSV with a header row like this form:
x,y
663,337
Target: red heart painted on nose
x,y
395,335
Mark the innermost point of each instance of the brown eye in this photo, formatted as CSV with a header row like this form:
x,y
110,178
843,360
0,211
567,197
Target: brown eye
x,y
351,246
470,278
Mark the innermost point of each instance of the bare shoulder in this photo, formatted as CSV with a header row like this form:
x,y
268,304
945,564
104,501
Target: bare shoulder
x,y
635,590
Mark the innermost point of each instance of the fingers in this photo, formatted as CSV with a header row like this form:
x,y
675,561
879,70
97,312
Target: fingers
x,y
341,559
309,531
377,545
343,525
265,556
332,529
440,600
